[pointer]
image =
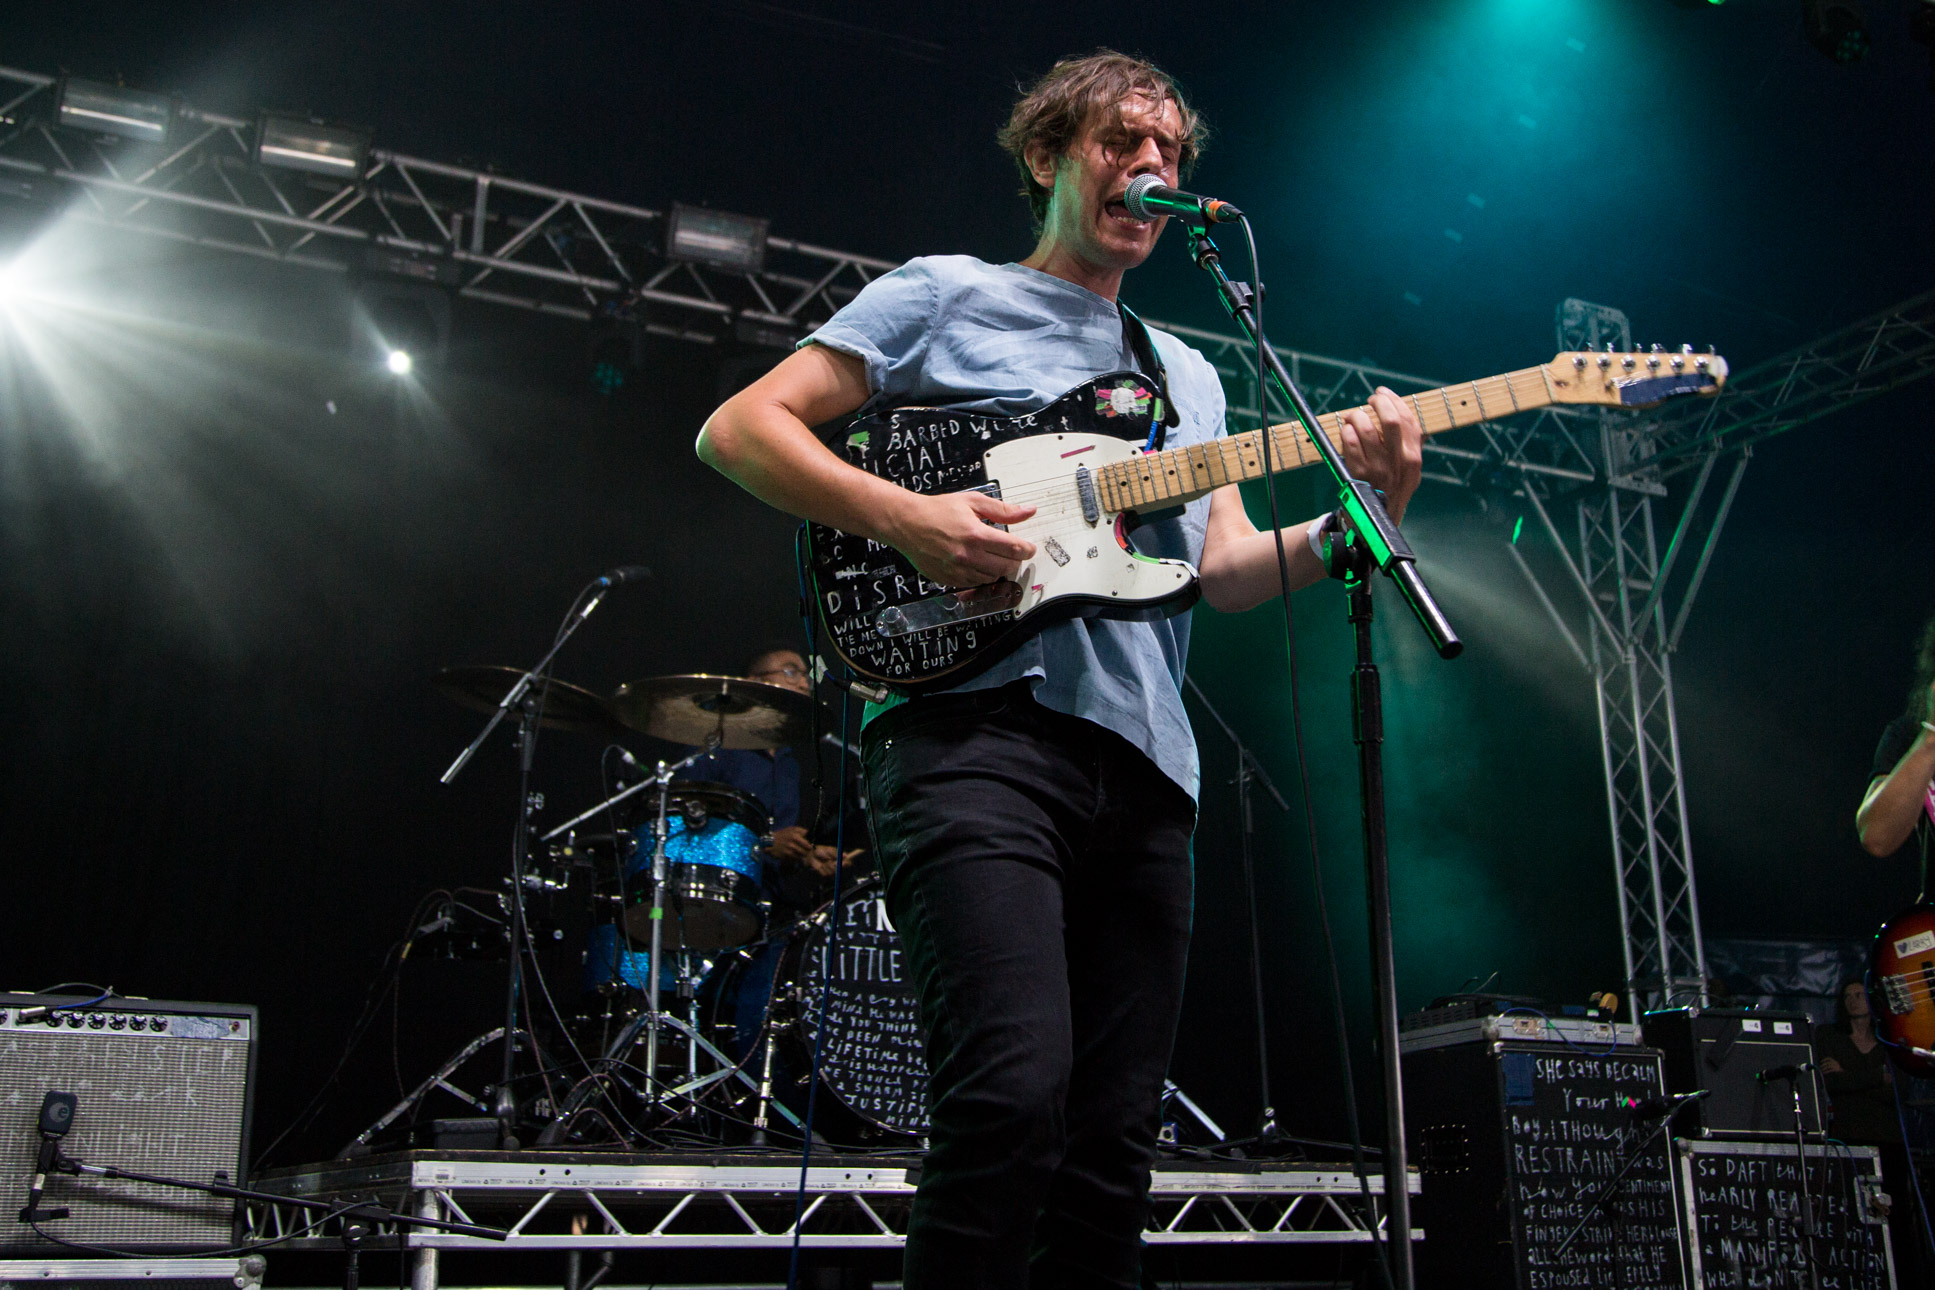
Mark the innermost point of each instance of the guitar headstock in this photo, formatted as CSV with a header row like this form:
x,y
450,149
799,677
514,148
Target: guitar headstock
x,y
1635,380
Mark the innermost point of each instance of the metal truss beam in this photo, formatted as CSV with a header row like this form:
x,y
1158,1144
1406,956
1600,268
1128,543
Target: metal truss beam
x,y
581,1203
1879,353
488,237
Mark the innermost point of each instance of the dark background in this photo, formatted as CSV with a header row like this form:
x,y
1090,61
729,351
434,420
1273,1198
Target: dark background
x,y
231,554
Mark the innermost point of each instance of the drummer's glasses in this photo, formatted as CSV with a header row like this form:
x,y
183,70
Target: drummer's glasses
x,y
789,671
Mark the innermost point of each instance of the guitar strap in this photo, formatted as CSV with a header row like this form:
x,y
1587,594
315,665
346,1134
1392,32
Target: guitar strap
x,y
1144,348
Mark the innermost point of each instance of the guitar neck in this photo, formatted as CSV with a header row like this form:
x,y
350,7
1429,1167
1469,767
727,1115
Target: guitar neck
x,y
1179,475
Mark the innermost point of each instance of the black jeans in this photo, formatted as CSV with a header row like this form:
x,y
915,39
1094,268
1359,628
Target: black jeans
x,y
1038,870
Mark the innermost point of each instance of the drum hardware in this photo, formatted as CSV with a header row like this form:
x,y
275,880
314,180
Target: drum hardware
x,y
439,1079
707,816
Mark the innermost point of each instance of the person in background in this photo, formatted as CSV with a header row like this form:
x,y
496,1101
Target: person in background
x,y
1861,1088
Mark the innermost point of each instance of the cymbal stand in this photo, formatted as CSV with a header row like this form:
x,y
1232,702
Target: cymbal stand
x,y
1248,769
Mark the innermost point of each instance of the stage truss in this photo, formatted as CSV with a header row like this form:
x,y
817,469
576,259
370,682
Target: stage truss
x,y
555,1201
1624,478
484,236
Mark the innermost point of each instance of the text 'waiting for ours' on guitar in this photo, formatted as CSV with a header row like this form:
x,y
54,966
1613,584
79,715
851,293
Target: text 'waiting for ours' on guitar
x,y
1080,462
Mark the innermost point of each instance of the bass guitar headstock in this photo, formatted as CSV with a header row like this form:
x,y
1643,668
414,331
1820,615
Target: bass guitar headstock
x,y
1634,380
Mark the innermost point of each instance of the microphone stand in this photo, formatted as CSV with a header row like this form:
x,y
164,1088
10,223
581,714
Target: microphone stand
x,y
1378,546
1248,768
1611,1185
519,697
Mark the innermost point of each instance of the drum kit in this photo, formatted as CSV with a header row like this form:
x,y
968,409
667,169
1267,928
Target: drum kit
x,y
705,994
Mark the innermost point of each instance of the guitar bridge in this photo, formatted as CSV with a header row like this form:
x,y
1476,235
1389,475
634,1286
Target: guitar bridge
x,y
947,609
1895,996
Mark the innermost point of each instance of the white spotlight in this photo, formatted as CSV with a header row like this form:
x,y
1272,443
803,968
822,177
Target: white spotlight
x,y
399,362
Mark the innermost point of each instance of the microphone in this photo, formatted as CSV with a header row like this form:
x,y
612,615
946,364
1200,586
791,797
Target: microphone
x,y
624,573
605,582
860,690
56,1118
1148,197
1658,1108
1793,1070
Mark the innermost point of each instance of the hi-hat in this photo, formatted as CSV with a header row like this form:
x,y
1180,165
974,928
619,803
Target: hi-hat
x,y
693,709
565,706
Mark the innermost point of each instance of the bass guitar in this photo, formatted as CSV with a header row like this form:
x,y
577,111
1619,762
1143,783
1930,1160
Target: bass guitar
x,y
1901,988
1080,462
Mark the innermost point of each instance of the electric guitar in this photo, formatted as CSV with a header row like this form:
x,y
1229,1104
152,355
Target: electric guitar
x,y
1901,988
1080,462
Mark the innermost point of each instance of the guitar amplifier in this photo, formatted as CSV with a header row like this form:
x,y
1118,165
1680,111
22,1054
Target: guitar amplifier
x,y
162,1088
1724,1050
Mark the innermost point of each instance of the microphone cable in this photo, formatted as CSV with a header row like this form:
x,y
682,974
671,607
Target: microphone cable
x,y
1303,772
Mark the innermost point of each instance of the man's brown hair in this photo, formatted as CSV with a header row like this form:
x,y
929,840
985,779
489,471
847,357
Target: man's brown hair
x,y
1053,112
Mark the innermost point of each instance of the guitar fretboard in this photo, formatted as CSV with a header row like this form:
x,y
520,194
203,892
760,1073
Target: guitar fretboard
x,y
1179,475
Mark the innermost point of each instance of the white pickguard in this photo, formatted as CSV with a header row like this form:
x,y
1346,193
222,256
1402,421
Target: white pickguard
x,y
1040,471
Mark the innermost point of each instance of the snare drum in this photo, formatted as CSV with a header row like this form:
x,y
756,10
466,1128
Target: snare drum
x,y
713,835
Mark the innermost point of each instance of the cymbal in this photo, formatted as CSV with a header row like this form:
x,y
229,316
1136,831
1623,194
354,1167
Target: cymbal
x,y
689,709
566,706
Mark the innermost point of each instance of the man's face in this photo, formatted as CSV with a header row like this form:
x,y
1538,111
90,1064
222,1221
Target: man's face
x,y
1086,215
782,668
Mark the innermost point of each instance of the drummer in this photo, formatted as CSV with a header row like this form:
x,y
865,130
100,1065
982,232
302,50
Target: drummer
x,y
800,873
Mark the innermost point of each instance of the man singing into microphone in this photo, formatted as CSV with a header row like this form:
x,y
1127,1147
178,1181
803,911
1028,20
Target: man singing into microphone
x,y
1033,824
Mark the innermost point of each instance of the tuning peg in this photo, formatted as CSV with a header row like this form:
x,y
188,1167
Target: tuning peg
x,y
1679,361
1579,362
1627,362
1605,361
1658,348
1700,362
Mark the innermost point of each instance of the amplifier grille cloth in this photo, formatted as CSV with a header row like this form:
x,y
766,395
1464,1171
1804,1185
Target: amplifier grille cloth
x,y
160,1104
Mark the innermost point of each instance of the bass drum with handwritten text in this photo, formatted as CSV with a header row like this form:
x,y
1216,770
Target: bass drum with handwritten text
x,y
871,1060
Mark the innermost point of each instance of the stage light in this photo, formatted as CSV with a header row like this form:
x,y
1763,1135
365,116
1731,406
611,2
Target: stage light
x,y
113,109
297,143
726,241
399,362
1838,28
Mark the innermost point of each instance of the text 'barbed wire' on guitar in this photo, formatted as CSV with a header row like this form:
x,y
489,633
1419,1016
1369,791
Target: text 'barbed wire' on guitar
x,y
1080,462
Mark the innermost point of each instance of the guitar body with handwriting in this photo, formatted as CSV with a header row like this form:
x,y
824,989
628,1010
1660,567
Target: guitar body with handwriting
x,y
1080,461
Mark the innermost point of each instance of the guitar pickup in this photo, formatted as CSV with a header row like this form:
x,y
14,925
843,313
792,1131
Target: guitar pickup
x,y
1085,489
947,609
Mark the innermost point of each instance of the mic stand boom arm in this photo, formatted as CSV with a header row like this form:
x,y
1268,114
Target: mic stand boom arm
x,y
1362,507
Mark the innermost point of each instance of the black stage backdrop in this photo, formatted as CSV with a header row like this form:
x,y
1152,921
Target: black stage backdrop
x,y
231,555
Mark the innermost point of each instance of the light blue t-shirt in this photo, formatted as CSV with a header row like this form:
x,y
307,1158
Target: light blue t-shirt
x,y
953,330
